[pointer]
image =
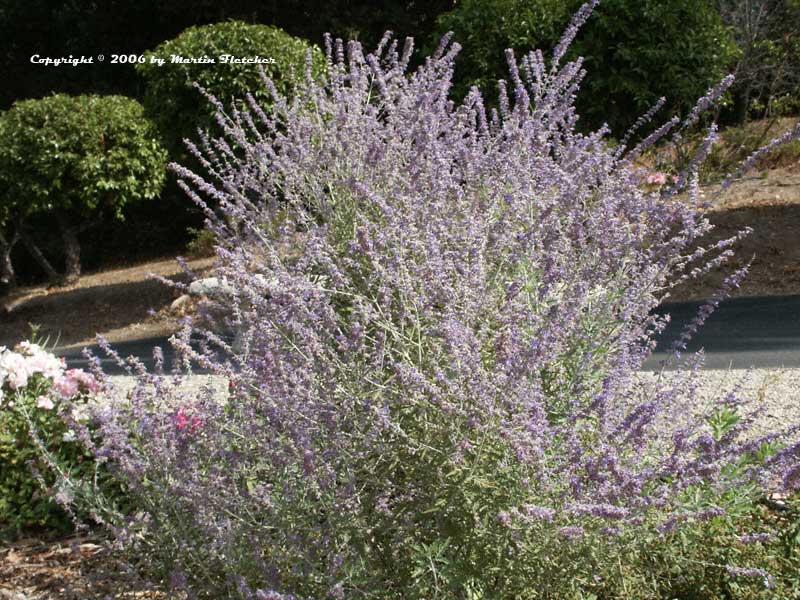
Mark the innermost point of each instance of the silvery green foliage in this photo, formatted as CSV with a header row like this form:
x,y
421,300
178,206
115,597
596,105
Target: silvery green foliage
x,y
442,309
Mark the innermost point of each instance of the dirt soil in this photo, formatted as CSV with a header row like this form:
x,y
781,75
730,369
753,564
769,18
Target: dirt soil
x,y
770,205
121,304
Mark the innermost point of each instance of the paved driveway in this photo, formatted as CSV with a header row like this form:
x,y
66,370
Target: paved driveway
x,y
742,333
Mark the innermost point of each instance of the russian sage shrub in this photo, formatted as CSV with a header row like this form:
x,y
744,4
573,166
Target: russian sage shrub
x,y
440,312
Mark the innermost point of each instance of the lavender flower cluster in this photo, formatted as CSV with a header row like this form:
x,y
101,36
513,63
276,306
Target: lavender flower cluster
x,y
441,308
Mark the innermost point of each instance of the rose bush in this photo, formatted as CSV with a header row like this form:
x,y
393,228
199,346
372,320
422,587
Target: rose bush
x,y
38,397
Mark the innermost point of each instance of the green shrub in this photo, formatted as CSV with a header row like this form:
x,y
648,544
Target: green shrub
x,y
635,50
80,160
171,98
202,243
485,28
640,50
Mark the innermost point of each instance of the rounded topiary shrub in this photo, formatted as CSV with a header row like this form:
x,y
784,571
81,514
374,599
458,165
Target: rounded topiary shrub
x,y
78,159
179,108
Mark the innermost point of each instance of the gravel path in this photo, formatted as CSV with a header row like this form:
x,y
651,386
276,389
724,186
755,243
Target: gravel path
x,y
123,384
779,388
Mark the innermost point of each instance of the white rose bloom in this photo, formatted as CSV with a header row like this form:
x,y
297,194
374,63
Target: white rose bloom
x,y
28,348
46,364
14,369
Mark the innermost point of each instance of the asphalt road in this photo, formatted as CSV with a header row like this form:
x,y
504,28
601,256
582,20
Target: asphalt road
x,y
759,332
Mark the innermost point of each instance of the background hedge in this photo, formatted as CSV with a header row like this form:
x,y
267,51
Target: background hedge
x,y
635,50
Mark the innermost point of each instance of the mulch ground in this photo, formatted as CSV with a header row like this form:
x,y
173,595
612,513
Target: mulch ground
x,y
68,568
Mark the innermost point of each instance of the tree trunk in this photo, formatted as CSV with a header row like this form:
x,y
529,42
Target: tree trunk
x,y
741,105
40,258
72,248
8,278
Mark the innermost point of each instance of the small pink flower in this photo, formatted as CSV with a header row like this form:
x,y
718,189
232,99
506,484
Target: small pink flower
x,y
74,381
45,403
656,178
186,422
85,380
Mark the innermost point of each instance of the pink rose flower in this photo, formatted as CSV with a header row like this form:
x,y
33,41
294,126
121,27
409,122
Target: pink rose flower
x,y
86,381
75,381
65,388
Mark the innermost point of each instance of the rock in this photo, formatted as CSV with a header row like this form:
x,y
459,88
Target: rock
x,y
181,302
203,287
210,286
